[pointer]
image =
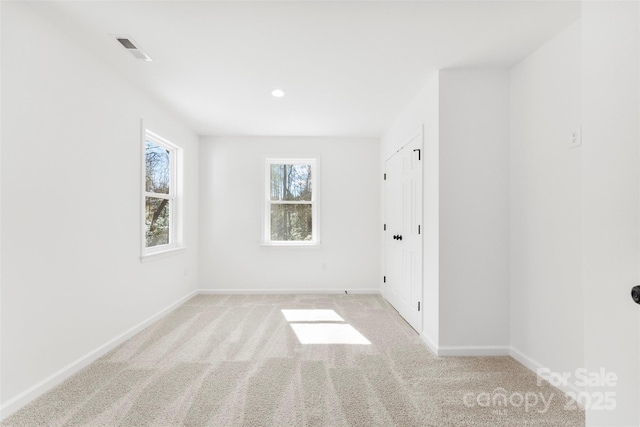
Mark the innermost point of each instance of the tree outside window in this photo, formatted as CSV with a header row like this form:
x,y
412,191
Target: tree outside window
x,y
158,199
291,201
161,209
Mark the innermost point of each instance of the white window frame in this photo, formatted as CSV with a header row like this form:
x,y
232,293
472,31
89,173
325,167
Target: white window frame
x,y
176,241
315,228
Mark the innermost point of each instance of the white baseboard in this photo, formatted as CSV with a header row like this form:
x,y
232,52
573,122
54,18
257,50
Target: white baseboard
x,y
14,404
525,360
474,350
534,365
286,291
479,350
430,344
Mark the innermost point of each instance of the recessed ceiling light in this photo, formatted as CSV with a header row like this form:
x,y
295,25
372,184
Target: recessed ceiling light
x,y
278,93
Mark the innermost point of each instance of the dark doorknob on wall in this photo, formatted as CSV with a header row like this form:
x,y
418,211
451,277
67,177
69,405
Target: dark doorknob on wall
x,y
397,237
635,294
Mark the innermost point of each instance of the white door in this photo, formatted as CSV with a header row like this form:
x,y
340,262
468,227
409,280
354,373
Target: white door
x,y
393,222
403,234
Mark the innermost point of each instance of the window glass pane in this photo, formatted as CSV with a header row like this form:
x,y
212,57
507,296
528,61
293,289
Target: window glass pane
x,y
291,222
158,174
291,182
157,221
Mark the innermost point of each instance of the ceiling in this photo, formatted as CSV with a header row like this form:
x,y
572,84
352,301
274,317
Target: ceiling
x,y
347,67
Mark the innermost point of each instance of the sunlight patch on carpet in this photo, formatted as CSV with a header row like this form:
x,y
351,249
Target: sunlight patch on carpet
x,y
311,316
328,333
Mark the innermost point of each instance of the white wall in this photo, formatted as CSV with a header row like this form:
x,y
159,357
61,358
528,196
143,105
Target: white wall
x,y
611,232
545,205
465,118
573,214
423,111
71,278
231,197
474,211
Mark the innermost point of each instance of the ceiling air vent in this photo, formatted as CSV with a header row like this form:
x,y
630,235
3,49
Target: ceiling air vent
x,y
132,47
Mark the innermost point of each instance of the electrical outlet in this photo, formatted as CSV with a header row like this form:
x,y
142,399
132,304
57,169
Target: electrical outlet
x,y
576,138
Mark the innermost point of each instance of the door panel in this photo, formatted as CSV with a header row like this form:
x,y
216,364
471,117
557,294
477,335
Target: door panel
x,y
393,218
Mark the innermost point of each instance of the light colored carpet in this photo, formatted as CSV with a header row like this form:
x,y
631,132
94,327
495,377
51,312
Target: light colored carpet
x,y
236,361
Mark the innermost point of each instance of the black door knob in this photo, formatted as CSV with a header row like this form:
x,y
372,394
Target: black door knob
x,y
635,294
395,237
399,237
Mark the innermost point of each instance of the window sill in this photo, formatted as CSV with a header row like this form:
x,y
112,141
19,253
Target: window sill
x,y
292,245
161,254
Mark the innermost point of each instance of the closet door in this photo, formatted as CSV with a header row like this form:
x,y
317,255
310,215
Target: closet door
x,y
403,234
